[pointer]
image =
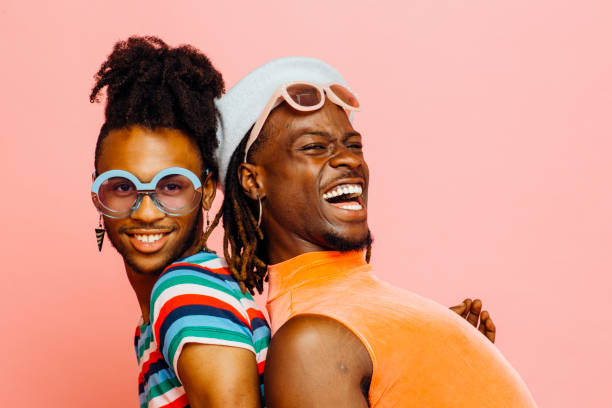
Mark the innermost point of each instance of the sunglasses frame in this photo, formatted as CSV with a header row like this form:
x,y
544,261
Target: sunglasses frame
x,y
281,92
142,189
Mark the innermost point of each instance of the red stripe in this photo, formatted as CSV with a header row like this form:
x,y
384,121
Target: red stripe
x,y
180,402
220,271
191,299
260,366
154,357
253,313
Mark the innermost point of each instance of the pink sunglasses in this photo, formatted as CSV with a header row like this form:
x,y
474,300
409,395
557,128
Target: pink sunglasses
x,y
304,97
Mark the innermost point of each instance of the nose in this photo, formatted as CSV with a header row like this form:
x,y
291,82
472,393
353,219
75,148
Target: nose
x,y
345,157
147,211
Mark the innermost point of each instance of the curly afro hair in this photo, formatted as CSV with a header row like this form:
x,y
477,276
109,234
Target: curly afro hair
x,y
153,85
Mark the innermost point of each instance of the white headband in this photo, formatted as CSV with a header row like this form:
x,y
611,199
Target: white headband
x,y
243,104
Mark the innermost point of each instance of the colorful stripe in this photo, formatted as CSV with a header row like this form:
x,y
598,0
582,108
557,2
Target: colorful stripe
x,y
195,300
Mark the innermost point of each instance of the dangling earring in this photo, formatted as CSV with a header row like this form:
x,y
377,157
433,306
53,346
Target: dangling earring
x,y
259,220
205,234
100,234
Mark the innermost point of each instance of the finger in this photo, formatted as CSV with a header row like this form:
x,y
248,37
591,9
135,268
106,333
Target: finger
x,y
459,309
468,304
482,326
491,336
474,312
490,328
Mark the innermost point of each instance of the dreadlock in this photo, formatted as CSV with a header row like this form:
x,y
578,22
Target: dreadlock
x,y
243,244
153,85
243,239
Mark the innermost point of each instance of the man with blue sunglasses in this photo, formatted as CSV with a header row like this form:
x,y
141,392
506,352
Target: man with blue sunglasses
x,y
201,341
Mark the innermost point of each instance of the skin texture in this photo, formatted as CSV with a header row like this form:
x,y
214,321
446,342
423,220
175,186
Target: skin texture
x,y
316,151
213,376
314,361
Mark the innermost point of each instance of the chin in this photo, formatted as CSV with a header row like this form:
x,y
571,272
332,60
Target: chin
x,y
348,242
148,264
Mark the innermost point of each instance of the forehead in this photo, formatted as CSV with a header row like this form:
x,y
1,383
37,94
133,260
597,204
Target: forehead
x,y
144,152
287,123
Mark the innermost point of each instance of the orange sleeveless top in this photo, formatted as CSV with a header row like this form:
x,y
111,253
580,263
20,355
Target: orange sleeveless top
x,y
423,354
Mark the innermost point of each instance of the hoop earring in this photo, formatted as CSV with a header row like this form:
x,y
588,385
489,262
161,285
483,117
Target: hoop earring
x,y
100,231
259,220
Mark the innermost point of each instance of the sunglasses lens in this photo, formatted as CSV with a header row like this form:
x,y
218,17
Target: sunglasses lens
x,y
304,94
345,95
177,194
117,194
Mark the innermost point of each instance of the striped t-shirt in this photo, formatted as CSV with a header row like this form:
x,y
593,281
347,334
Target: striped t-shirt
x,y
195,300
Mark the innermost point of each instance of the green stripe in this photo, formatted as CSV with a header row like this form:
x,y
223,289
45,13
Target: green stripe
x,y
145,345
163,387
205,333
262,344
187,279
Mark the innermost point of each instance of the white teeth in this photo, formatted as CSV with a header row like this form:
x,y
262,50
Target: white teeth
x,y
148,237
342,190
354,207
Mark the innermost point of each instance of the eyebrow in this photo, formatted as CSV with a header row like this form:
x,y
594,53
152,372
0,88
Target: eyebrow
x,y
325,134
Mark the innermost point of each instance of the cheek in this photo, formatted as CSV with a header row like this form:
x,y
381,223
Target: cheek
x,y
112,225
186,222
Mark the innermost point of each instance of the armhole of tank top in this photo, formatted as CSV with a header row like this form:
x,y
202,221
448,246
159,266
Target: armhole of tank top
x,y
373,398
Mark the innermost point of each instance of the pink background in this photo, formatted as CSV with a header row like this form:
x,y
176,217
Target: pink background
x,y
488,133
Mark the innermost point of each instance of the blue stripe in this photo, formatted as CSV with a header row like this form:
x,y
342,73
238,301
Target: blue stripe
x,y
197,258
258,322
195,316
200,269
154,368
261,333
179,273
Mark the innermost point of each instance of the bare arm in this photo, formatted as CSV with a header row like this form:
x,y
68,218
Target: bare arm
x,y
219,376
314,361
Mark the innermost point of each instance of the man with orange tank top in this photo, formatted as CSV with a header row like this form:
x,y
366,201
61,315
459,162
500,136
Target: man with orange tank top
x,y
295,211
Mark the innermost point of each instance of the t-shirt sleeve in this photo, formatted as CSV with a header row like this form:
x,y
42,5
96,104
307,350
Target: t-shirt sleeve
x,y
194,305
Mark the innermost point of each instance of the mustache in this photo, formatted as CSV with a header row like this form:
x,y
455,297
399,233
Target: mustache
x,y
127,229
345,175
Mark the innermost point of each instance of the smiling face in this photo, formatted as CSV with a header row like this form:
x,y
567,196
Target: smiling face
x,y
149,239
313,180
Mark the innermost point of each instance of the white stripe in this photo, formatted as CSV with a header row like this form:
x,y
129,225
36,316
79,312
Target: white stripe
x,y
166,398
147,353
216,263
194,289
207,340
261,356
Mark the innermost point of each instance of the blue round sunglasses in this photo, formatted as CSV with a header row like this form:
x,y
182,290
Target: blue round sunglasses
x,y
118,193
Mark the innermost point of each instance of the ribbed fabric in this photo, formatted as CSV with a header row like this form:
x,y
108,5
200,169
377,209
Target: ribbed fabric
x,y
423,354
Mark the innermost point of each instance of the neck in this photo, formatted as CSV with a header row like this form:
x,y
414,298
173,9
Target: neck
x,y
143,283
282,245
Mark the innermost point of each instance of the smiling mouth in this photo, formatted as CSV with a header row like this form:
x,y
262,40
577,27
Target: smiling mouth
x,y
148,242
148,238
346,196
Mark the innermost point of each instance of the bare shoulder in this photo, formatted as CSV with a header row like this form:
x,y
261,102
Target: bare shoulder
x,y
219,376
314,360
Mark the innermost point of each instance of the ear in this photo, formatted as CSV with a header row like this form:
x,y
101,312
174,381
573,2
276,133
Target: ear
x,y
250,177
209,190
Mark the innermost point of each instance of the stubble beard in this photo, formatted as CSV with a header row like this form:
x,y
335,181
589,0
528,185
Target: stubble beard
x,y
175,254
346,244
